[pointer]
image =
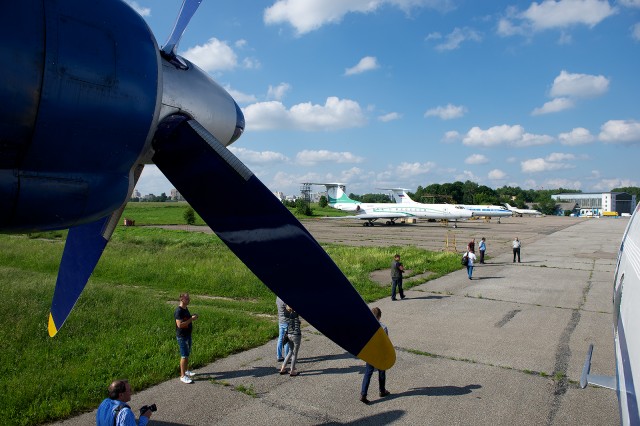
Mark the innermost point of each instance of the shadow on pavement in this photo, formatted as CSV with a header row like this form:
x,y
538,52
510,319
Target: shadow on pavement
x,y
431,391
376,419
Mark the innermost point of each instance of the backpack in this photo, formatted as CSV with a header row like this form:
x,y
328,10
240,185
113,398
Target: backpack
x,y
465,259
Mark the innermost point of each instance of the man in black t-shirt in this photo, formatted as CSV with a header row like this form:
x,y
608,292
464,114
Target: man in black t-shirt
x,y
396,277
184,325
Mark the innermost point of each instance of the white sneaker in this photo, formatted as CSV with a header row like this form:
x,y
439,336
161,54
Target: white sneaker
x,y
189,373
186,379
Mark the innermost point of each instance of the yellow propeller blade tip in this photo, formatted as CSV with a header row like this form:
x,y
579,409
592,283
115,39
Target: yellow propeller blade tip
x,y
52,327
379,351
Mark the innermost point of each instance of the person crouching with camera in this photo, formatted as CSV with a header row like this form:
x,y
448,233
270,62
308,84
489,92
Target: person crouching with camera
x,y
115,411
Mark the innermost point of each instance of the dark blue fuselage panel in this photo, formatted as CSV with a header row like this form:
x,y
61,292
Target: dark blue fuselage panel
x,y
79,94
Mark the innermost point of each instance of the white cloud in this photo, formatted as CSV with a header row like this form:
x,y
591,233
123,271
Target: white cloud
x,y
554,105
390,117
476,159
367,63
606,185
454,39
554,161
310,158
433,36
258,157
553,14
620,131
214,55
577,136
240,97
142,11
565,38
579,85
309,15
567,87
563,183
504,135
564,13
451,136
467,175
278,92
334,114
630,3
496,174
635,32
447,112
559,156
406,170
251,63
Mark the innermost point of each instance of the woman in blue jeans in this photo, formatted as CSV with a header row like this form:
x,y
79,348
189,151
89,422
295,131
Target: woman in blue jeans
x,y
472,258
295,337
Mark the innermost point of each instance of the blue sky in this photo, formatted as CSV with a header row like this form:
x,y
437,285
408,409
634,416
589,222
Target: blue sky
x,y
402,93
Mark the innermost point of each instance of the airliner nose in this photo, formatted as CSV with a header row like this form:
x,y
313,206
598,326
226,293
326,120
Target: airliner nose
x,y
239,124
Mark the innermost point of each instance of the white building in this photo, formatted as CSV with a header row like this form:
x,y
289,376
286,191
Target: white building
x,y
596,203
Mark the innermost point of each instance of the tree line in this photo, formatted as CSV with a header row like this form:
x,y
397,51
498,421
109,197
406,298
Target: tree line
x,y
471,193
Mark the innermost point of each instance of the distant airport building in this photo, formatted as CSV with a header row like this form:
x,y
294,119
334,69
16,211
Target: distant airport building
x,y
175,195
597,203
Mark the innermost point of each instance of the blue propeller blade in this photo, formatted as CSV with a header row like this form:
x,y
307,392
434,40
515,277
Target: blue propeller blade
x,y
264,235
84,246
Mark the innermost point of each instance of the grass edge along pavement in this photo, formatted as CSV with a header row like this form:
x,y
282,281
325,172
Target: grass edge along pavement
x,y
122,325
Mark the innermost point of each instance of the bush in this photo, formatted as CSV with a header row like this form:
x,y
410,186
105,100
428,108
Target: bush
x,y
189,216
303,208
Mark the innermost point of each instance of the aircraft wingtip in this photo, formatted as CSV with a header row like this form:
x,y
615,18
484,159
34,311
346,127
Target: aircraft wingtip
x,y
379,351
53,330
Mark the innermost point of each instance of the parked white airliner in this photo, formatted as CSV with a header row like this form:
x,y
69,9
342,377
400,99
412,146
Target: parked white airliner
x,y
626,327
400,196
520,212
370,212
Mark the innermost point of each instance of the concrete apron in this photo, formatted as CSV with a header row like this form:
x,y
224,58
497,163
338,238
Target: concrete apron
x,y
481,352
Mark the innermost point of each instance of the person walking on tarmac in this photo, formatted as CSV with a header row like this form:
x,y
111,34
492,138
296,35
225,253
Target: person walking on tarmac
x,y
483,248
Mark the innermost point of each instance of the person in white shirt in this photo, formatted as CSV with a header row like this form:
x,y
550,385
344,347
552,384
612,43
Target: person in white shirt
x,y
471,256
516,249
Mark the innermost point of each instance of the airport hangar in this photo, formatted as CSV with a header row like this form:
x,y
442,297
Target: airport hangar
x,y
597,203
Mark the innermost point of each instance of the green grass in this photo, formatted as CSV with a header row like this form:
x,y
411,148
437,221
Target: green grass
x,y
173,213
122,325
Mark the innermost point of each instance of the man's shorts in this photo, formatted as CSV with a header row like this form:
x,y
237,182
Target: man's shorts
x,y
185,346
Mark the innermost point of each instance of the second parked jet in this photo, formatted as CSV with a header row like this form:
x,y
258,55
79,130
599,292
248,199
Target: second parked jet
x,y
371,212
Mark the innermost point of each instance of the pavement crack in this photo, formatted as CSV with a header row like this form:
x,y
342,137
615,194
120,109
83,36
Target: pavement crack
x,y
563,353
309,413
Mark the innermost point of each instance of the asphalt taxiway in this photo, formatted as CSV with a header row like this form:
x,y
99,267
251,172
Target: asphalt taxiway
x,y
504,348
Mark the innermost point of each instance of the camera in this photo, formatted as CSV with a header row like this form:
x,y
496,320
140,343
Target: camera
x,y
145,408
